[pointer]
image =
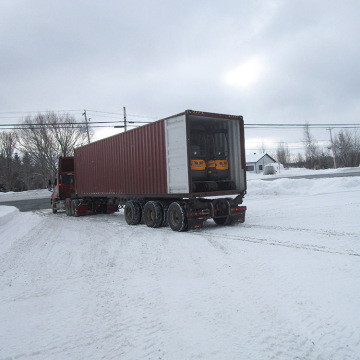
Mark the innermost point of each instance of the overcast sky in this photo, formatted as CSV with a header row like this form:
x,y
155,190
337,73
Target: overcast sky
x,y
272,61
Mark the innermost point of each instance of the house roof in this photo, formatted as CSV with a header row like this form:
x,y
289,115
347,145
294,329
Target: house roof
x,y
254,158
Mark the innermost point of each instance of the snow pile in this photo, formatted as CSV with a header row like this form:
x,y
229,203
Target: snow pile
x,y
301,187
7,213
293,172
14,225
31,194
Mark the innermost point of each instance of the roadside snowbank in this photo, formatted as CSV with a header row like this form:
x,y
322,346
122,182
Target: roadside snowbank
x,y
14,225
7,213
302,186
292,172
31,194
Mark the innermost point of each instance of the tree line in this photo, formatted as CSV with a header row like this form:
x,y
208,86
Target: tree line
x,y
29,155
343,151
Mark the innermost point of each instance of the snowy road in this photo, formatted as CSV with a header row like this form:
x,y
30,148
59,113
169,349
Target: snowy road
x,y
284,285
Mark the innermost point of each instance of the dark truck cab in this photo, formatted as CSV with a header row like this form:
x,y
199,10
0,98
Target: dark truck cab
x,y
64,186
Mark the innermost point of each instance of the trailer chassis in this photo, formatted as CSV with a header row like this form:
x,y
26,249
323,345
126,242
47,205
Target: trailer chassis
x,y
179,213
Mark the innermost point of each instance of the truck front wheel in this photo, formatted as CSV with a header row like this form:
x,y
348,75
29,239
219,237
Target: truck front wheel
x,y
54,208
132,212
177,217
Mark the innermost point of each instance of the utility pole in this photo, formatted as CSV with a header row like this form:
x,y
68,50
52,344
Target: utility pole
x,y
87,127
332,147
124,119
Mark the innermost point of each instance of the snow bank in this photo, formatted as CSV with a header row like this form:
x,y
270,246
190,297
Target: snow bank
x,y
14,225
31,194
302,186
7,213
300,172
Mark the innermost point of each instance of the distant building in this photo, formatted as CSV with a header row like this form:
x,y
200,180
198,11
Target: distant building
x,y
256,162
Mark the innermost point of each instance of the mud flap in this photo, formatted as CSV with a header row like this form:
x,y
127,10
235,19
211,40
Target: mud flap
x,y
82,210
195,223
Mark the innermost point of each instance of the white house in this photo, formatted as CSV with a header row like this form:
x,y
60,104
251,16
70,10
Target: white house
x,y
256,162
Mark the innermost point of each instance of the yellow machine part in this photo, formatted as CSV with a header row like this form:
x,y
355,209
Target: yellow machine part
x,y
217,165
198,165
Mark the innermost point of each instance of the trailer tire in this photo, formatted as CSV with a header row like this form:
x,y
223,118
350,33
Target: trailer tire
x,y
153,214
177,217
132,212
53,207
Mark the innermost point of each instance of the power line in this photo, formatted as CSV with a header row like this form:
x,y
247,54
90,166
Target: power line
x,y
120,115
283,126
76,110
110,123
65,127
35,111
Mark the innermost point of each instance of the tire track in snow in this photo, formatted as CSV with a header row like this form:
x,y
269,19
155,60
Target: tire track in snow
x,y
123,320
298,229
122,307
17,261
259,240
273,242
214,237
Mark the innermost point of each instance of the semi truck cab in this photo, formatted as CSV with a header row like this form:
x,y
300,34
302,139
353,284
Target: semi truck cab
x,y
64,183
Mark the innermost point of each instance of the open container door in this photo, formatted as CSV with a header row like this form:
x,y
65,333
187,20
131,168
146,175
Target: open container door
x,y
177,155
218,141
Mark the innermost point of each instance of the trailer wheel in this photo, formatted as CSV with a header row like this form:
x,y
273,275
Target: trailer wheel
x,y
132,212
153,214
177,217
54,208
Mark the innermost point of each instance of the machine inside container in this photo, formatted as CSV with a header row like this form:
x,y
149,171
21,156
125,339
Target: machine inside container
x,y
214,154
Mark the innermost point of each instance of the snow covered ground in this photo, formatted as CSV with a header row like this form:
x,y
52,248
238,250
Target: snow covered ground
x,y
283,285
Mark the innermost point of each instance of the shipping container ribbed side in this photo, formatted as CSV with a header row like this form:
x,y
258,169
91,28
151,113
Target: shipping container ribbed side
x,y
130,163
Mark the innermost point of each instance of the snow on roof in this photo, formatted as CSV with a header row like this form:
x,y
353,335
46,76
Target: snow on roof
x,y
253,158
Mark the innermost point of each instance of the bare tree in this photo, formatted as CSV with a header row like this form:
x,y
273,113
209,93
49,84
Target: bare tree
x,y
8,142
346,145
283,154
262,146
46,137
67,133
299,160
27,172
311,147
36,140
